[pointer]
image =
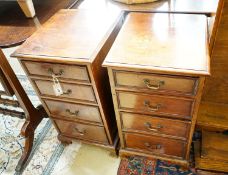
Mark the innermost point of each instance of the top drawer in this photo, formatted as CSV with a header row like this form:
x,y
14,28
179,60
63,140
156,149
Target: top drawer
x,y
63,71
155,82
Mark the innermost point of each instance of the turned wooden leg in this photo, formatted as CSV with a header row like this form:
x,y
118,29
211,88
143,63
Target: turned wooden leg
x,y
27,7
27,150
27,131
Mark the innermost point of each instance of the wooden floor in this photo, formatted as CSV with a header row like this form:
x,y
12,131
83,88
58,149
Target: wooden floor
x,y
15,27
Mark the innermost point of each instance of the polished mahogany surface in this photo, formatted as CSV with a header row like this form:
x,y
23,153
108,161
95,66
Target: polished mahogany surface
x,y
65,71
155,145
71,111
71,91
48,41
157,67
156,104
65,56
162,42
82,131
161,83
155,125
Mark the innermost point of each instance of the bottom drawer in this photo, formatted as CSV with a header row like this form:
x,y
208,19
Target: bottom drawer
x,y
82,131
156,145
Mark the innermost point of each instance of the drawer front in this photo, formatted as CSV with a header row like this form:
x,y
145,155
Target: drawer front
x,y
74,111
156,145
155,104
82,131
74,72
152,124
72,91
154,82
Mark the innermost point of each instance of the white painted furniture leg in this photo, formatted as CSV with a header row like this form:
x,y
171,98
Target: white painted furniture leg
x,y
27,7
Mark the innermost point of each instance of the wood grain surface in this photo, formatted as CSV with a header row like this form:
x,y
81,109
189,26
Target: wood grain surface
x,y
213,116
154,83
69,50
154,124
89,28
214,146
207,164
161,48
82,131
155,104
156,145
72,111
162,43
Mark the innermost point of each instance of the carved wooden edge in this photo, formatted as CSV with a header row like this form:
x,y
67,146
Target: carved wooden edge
x,y
28,130
27,150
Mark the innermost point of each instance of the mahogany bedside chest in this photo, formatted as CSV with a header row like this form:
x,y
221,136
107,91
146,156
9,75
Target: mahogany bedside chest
x,y
63,61
157,67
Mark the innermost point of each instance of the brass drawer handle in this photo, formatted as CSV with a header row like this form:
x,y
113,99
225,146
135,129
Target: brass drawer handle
x,y
72,113
80,132
68,92
153,86
149,127
51,71
150,107
153,147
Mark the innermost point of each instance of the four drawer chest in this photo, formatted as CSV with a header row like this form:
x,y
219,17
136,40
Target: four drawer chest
x,y
155,64
63,61
157,67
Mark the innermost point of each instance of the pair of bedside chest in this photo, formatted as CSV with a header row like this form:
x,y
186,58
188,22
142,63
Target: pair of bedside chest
x,y
156,66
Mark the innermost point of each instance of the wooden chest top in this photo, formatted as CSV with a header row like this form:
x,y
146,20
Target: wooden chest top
x,y
182,6
75,35
162,43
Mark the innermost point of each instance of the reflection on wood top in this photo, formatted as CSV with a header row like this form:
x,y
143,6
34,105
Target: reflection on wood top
x,y
162,42
70,35
187,6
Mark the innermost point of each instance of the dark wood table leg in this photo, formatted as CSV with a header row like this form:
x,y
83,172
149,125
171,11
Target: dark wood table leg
x,y
28,131
33,116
